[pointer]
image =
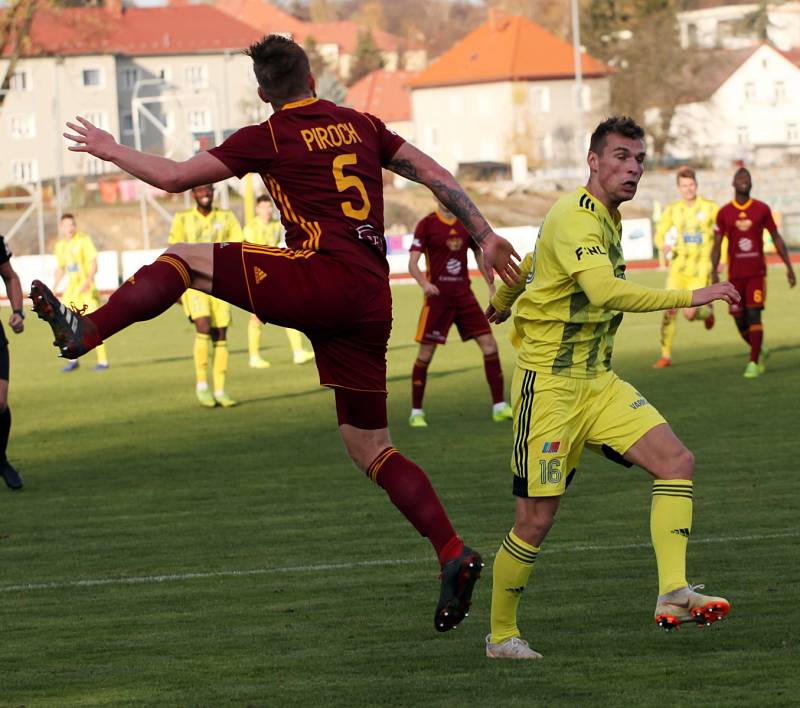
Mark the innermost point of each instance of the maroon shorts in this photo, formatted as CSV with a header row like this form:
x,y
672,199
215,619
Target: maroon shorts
x,y
345,311
753,291
441,311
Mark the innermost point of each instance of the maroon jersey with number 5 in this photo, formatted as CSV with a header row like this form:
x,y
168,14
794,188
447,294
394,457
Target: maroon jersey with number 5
x,y
744,226
445,243
322,165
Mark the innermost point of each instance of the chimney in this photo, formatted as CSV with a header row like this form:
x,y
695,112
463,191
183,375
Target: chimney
x,y
114,7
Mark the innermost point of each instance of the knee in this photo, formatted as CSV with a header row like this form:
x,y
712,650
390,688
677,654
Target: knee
x,y
488,345
533,527
202,326
678,466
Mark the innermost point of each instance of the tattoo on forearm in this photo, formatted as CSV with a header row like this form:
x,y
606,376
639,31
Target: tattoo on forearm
x,y
459,203
404,168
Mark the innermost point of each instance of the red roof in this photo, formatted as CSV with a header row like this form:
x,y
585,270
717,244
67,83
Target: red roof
x,y
793,55
267,18
137,31
507,48
385,94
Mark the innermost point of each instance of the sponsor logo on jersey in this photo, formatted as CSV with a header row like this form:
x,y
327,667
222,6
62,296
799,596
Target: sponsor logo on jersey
x,y
259,275
696,237
551,448
454,244
639,403
581,251
745,244
453,266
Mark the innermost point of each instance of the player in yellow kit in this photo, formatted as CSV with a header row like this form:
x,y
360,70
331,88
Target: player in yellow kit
x,y
691,220
264,231
566,396
76,257
211,316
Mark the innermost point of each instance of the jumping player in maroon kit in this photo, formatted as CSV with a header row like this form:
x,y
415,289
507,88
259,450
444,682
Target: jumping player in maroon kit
x,y
322,165
449,299
743,221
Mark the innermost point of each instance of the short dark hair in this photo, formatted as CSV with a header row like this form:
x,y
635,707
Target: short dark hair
x,y
685,173
263,198
620,125
280,65
68,215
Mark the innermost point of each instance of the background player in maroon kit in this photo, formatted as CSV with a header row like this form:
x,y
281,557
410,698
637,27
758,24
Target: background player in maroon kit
x,y
743,221
449,299
322,165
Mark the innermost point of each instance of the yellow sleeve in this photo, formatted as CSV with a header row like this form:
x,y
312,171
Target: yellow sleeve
x,y
578,242
234,229
610,293
60,261
88,251
664,225
274,231
506,295
176,231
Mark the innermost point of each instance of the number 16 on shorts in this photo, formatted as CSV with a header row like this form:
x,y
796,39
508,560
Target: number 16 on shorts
x,y
549,471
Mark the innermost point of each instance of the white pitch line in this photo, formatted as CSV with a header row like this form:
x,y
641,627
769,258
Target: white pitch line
x,y
180,577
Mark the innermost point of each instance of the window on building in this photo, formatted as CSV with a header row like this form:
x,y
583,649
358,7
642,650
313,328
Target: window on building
x,y
92,78
127,123
165,73
198,120
780,92
20,81
98,119
741,135
24,171
196,75
541,99
749,91
93,166
128,78
544,147
22,125
586,98
792,133
169,121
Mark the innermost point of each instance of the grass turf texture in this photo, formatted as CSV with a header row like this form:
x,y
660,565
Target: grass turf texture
x,y
300,584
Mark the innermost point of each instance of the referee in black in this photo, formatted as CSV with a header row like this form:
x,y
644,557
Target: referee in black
x,y
17,324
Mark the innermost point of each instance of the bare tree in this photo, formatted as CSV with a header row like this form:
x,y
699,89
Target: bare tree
x,y
15,31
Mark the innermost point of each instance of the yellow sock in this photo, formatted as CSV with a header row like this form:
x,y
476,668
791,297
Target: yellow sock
x,y
102,354
512,568
667,334
254,338
670,526
295,340
201,342
220,365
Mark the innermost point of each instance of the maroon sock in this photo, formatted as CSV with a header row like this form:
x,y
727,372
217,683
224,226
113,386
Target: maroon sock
x,y
146,294
411,492
756,337
494,375
419,376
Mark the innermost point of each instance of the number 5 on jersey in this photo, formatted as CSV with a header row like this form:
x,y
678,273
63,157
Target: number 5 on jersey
x,y
345,182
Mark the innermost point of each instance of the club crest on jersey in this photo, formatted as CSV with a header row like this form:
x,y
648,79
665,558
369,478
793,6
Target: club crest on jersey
x,y
743,223
551,448
454,244
581,251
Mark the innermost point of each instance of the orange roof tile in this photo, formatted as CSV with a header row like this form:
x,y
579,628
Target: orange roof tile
x,y
263,16
507,48
385,94
136,31
345,34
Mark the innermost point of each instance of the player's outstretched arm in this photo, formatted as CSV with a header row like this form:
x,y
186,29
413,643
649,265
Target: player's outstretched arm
x,y
780,247
498,254
718,291
161,172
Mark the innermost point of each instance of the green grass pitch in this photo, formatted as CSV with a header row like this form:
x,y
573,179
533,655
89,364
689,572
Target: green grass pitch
x,y
162,554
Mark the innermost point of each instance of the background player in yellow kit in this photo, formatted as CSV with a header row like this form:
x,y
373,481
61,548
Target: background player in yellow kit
x,y
76,257
207,224
265,231
693,219
566,396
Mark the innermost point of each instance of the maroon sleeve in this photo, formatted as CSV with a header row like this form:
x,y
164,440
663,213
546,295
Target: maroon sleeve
x,y
249,149
389,141
721,228
418,243
769,222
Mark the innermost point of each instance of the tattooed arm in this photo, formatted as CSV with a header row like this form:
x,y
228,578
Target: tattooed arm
x,y
498,254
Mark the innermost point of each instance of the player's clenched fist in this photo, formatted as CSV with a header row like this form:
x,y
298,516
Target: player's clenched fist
x,y
718,291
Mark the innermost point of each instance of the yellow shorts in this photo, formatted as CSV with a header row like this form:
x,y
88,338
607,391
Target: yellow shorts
x,y
197,304
555,417
680,281
74,298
